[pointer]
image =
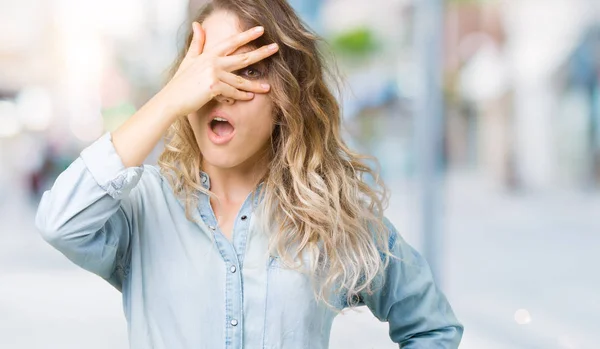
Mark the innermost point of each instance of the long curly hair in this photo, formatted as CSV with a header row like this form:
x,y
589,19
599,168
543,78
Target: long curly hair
x,y
322,200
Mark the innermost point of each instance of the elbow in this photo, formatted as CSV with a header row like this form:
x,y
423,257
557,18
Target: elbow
x,y
440,334
458,331
447,338
48,224
51,233
453,334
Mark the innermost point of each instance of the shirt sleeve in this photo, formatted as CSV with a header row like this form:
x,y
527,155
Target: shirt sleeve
x,y
87,214
418,313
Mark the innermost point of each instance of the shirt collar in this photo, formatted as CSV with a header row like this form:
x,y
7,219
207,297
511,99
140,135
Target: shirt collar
x,y
205,182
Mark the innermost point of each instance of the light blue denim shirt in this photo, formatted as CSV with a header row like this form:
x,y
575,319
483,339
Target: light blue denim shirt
x,y
185,285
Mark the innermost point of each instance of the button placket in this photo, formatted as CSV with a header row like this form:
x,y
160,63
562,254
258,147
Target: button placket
x,y
232,253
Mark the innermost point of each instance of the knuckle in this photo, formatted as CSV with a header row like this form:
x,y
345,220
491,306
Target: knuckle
x,y
213,86
212,67
213,77
246,58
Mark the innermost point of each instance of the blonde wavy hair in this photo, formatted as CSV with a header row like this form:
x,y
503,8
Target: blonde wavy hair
x,y
316,190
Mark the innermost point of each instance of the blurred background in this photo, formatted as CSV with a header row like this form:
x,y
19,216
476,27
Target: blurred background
x,y
484,115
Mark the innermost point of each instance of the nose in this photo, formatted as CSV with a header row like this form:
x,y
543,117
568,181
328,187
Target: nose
x,y
225,100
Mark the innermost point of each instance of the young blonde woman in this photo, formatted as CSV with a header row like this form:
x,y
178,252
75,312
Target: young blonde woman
x,y
258,225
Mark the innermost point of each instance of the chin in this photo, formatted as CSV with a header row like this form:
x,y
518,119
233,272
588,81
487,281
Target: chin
x,y
220,160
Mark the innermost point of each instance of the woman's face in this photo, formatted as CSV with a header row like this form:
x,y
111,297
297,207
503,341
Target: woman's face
x,y
243,140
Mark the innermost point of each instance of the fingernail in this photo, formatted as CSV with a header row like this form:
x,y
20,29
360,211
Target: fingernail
x,y
265,86
259,29
273,47
249,94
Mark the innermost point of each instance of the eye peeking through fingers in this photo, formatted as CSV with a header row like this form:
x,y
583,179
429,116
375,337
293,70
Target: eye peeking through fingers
x,y
251,73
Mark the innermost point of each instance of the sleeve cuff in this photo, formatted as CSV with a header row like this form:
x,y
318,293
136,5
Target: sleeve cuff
x,y
107,168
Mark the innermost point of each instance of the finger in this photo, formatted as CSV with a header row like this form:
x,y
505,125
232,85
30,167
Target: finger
x,y
197,43
233,43
201,38
227,90
242,60
243,84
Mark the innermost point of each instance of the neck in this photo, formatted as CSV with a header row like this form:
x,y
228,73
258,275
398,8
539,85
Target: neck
x,y
234,184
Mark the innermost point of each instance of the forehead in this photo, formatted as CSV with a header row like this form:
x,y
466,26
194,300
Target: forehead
x,y
220,26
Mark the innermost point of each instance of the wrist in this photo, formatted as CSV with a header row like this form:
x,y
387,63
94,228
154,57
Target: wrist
x,y
164,103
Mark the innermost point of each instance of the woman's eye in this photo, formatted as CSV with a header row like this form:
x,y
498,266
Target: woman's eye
x,y
251,73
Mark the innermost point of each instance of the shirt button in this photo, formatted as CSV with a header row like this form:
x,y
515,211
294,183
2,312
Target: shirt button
x,y
234,322
244,217
211,227
233,268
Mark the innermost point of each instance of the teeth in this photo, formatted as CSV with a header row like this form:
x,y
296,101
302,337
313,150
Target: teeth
x,y
220,119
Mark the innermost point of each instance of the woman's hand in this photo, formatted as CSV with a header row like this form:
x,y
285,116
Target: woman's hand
x,y
204,75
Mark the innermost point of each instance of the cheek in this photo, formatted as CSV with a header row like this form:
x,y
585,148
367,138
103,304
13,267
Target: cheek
x,y
195,122
262,122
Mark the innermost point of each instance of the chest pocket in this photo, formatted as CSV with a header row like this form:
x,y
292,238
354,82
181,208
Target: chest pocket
x,y
294,320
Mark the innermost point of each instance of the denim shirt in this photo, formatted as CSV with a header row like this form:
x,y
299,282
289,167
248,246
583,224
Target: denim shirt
x,y
184,285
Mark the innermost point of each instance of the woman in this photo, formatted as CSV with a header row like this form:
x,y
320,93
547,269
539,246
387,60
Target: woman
x,y
258,227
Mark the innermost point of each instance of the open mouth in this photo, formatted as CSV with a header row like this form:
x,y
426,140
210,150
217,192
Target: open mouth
x,y
221,127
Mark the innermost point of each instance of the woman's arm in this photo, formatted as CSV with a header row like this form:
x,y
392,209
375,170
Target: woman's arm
x,y
88,215
418,313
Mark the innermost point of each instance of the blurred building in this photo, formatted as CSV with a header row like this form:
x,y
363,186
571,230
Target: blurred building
x,y
71,70
508,113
